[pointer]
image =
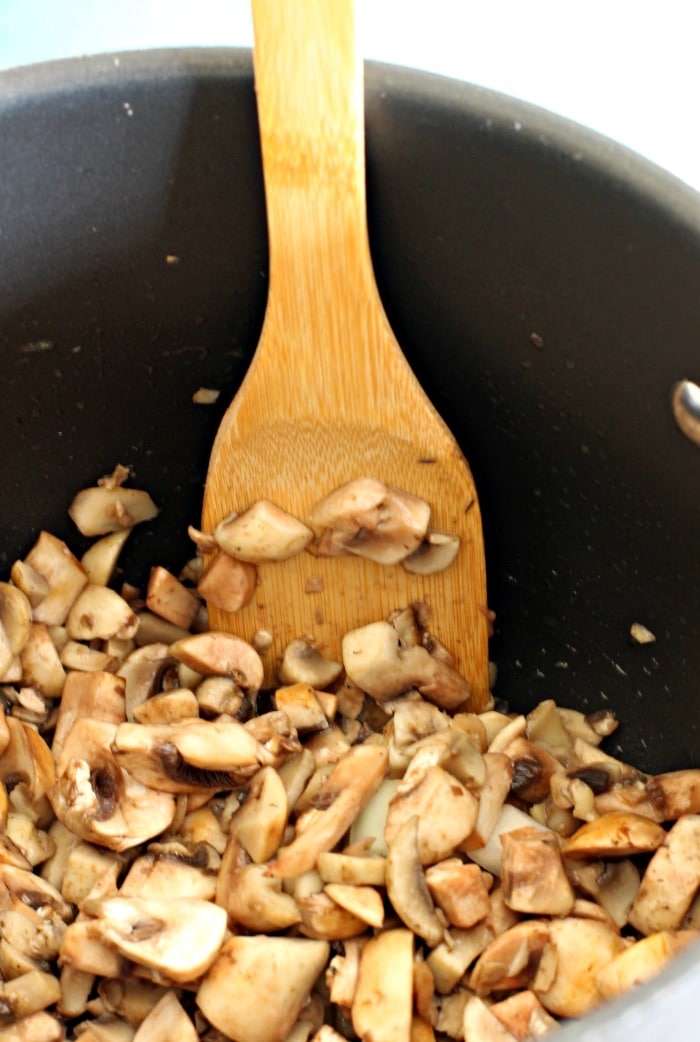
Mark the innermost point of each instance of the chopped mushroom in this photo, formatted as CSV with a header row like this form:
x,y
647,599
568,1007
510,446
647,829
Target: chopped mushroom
x,y
263,532
227,583
382,1006
532,873
99,510
406,885
370,519
671,879
578,949
437,552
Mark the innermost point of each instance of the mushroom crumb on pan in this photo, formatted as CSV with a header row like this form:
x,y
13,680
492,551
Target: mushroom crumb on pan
x,y
176,840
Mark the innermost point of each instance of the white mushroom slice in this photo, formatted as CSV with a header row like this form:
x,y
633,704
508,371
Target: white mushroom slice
x,y
342,973
38,1027
670,881
533,768
22,843
256,901
351,869
189,755
99,801
370,519
675,793
460,891
510,818
618,834
95,696
382,1007
131,998
75,655
545,725
370,823
41,665
76,986
303,663
641,961
407,888
99,613
176,873
524,1015
167,1022
446,812
511,960
375,661
364,902
322,918
612,884
167,597
447,1012
28,763
532,873
492,796
302,706
437,552
33,585
260,823
221,654
100,560
228,1001
142,671
264,532
84,952
15,617
168,707
178,937
580,948
100,510
29,993
63,573
155,630
85,865
228,583
480,1023
345,792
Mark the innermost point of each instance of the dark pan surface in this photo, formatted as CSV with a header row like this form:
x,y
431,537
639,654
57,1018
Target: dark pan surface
x,y
490,221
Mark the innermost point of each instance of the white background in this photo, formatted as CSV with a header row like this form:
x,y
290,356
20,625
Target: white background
x,y
629,69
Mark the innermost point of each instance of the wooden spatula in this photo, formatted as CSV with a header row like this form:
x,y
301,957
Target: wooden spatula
x,y
329,396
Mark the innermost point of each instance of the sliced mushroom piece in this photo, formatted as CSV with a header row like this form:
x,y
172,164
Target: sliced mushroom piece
x,y
406,885
612,884
100,509
671,879
370,823
492,797
532,873
28,765
228,583
303,663
99,613
178,937
176,873
227,1000
447,1013
83,951
15,619
383,1003
302,706
364,902
322,918
580,948
189,755
533,768
370,519
221,654
641,961
142,672
342,973
167,1022
511,960
480,1023
29,993
167,597
450,960
263,532
375,661
155,630
524,1015
675,793
85,865
545,726
100,559
130,998
345,792
445,808
436,552
260,824
76,987
33,585
94,696
256,901
97,800
351,869
168,707
460,890
63,573
618,834
75,655
38,1027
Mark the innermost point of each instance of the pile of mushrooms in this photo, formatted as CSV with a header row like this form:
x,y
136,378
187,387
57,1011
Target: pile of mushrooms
x,y
350,855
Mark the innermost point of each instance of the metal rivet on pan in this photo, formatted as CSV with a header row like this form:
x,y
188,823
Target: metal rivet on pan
x,y
685,402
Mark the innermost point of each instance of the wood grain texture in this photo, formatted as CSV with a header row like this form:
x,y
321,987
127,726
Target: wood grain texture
x,y
329,395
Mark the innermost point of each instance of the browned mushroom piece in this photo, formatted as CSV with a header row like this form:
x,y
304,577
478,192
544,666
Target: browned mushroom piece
x,y
109,508
99,613
612,884
524,1015
65,577
533,768
675,793
436,552
227,583
511,960
142,672
532,873
166,1022
27,769
370,519
172,600
303,663
460,890
577,950
617,834
641,961
480,1023
15,623
671,879
383,1002
221,654
227,1000
406,885
263,532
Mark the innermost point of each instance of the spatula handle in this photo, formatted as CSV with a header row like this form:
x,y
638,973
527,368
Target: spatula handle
x,y
310,95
